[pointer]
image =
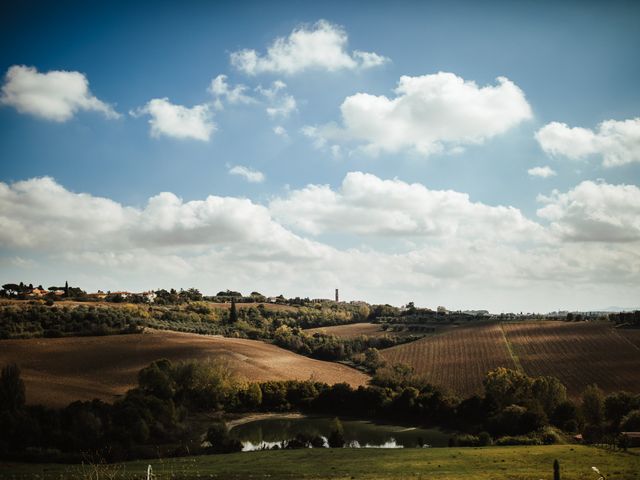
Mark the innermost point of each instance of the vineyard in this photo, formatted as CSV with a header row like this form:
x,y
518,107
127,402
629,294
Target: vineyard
x,y
577,353
631,334
458,360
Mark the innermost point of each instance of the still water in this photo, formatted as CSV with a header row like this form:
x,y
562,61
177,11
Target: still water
x,y
269,432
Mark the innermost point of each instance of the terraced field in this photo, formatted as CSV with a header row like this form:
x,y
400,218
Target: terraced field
x,y
57,371
457,360
577,353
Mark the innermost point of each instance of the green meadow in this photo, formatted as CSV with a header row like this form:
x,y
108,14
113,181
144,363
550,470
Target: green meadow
x,y
488,463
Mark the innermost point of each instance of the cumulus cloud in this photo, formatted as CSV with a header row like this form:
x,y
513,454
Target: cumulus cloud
x,y
56,95
429,114
368,205
543,172
322,46
221,90
594,212
228,242
41,214
249,174
177,121
617,142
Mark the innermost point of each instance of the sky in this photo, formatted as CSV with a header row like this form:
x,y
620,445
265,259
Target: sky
x,y
475,155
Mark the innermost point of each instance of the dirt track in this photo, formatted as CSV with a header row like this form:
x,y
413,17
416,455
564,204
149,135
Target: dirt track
x,y
58,371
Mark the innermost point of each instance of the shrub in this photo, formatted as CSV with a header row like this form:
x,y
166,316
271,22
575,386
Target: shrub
x,y
484,439
464,440
518,440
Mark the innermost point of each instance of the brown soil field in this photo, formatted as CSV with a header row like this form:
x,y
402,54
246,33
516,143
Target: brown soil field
x,y
631,334
578,354
457,360
57,371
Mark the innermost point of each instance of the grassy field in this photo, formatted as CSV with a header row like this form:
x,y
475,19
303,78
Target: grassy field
x,y
578,353
58,371
457,360
489,463
352,330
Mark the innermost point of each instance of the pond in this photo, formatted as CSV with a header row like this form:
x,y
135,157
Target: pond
x,y
271,432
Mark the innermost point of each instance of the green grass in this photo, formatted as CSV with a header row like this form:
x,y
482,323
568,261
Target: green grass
x,y
490,463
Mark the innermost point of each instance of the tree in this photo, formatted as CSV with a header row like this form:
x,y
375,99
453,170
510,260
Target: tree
x,y
336,437
156,379
631,422
66,289
233,313
12,391
221,441
549,392
505,387
593,405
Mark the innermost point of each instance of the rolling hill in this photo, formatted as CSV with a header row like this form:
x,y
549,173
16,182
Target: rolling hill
x,y
57,371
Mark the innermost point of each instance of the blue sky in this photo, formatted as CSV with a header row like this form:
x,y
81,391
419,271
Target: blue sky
x,y
456,171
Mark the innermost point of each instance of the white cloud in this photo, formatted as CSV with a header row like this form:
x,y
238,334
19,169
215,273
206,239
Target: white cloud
x,y
321,46
227,242
178,121
283,108
543,172
250,175
429,114
280,104
617,142
220,89
594,212
280,131
368,205
41,214
56,95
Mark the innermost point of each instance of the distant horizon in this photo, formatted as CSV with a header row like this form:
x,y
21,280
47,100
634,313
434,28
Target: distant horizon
x,y
609,309
485,156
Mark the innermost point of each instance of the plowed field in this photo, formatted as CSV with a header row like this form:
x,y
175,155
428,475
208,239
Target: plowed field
x,y
57,371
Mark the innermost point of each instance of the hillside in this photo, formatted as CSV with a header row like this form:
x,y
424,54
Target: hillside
x,y
457,360
60,370
578,353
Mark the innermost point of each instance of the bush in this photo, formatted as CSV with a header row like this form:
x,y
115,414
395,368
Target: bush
x,y
550,437
484,439
464,440
518,440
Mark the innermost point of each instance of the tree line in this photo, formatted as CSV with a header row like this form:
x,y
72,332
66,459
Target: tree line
x,y
153,417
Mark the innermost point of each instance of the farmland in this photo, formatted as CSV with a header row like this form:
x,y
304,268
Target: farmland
x,y
60,370
631,334
577,353
493,463
457,360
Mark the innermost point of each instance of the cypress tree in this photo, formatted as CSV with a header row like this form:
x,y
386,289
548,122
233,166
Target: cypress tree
x,y
233,314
